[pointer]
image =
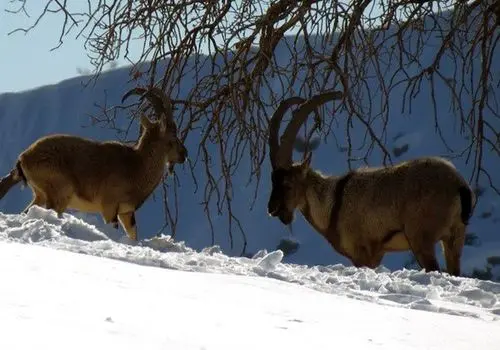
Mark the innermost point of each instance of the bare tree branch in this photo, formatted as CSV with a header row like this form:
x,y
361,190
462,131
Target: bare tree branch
x,y
373,51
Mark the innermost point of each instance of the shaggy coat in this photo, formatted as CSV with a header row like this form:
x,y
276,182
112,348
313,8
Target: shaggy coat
x,y
368,212
111,178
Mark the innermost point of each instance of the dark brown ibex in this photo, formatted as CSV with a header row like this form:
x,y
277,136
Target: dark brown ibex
x,y
368,212
112,178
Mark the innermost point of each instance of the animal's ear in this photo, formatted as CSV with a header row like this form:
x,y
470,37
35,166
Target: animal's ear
x,y
307,160
146,122
306,163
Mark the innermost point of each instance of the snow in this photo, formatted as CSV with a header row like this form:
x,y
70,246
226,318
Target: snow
x,y
67,284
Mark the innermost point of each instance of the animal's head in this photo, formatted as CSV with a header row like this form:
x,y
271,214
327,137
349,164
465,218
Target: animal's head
x,y
288,190
288,178
164,129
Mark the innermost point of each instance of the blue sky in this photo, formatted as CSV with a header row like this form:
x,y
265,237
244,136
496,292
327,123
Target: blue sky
x,y
27,61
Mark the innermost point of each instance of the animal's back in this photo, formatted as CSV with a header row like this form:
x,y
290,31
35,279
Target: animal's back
x,y
419,177
84,163
385,197
69,152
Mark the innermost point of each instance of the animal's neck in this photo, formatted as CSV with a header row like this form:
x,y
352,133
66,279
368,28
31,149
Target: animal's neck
x,y
318,201
323,202
152,149
153,154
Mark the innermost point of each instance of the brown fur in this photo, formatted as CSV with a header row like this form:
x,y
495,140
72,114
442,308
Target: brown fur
x,y
409,206
109,177
369,212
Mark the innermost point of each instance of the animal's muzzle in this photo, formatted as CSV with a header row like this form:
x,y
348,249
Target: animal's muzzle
x,y
272,213
284,215
183,154
273,209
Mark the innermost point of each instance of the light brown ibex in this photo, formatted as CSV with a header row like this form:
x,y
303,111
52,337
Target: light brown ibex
x,y
111,178
368,212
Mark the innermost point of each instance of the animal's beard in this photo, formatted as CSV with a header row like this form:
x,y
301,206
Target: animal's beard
x,y
290,229
170,168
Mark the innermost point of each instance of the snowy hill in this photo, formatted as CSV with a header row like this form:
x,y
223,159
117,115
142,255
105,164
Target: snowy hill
x,y
163,295
65,107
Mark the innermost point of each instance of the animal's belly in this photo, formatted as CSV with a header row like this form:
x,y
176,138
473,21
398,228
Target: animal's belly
x,y
398,242
84,205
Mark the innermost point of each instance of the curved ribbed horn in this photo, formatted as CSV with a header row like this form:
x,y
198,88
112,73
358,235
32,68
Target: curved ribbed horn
x,y
274,127
285,152
134,91
154,99
161,103
163,106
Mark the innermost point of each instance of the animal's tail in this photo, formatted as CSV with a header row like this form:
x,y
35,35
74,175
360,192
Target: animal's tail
x,y
466,199
15,176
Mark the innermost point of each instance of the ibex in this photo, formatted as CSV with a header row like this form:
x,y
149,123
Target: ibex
x,y
367,212
110,178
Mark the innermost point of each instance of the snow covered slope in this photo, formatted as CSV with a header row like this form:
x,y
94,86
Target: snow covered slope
x,y
163,295
65,108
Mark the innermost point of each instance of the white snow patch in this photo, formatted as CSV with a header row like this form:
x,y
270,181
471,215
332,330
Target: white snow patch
x,y
410,289
54,299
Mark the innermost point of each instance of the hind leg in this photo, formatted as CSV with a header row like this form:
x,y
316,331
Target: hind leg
x,y
452,249
57,205
38,199
129,225
58,199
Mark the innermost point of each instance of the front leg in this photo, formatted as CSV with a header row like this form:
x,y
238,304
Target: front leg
x,y
129,225
368,256
376,259
110,215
